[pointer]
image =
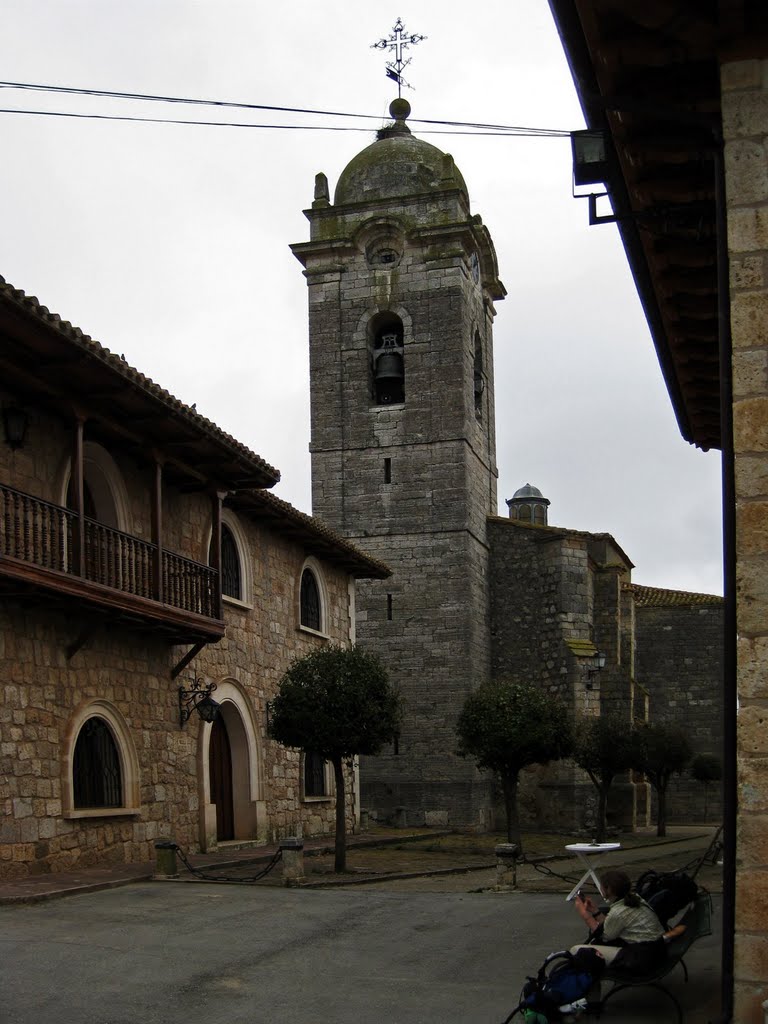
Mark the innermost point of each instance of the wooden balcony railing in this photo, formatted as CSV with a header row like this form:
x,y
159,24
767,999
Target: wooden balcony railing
x,y
45,535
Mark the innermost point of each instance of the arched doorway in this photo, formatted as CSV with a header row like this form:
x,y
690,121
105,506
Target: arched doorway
x,y
231,786
220,769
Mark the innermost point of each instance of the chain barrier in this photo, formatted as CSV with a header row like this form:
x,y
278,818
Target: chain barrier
x,y
240,879
544,869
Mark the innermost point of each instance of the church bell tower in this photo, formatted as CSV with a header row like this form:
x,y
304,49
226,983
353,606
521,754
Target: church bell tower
x,y
402,282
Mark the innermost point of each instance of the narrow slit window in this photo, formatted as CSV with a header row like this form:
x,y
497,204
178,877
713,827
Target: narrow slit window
x,y
387,471
389,607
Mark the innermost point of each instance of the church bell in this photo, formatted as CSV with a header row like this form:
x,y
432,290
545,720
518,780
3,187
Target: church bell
x,y
389,366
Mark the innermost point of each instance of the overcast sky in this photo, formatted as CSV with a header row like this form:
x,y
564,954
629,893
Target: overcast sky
x,y
169,243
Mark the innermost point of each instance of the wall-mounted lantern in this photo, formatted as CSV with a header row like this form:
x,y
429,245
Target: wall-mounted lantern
x,y
198,699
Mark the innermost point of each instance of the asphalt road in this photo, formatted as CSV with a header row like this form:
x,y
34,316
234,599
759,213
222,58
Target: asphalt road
x,y
157,953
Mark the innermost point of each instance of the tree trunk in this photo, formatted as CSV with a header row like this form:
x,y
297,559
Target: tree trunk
x,y
602,810
509,787
340,853
661,823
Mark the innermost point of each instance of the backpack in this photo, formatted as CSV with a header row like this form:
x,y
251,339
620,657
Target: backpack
x,y
563,985
667,894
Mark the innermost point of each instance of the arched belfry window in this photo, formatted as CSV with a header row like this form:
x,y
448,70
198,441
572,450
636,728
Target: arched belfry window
x,y
478,381
388,360
231,580
311,616
96,776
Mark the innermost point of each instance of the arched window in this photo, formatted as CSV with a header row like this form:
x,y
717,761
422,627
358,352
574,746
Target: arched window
x,y
236,563
311,616
388,359
540,515
96,776
525,513
231,580
314,774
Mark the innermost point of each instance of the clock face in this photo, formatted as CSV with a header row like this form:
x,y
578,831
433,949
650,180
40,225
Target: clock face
x,y
474,266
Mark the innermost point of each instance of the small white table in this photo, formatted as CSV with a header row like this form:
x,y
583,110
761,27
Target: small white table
x,y
589,854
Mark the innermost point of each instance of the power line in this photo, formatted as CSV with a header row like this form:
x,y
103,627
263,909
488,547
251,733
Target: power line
x,y
507,133
477,127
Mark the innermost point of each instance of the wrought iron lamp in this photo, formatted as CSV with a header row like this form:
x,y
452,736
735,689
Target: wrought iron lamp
x,y
198,699
597,663
15,422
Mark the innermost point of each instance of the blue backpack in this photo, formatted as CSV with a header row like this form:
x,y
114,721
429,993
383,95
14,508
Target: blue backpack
x,y
560,985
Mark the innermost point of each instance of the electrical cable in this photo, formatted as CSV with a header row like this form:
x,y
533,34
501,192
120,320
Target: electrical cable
x,y
489,129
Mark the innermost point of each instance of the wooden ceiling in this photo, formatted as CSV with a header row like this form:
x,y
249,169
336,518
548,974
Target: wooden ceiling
x,y
647,72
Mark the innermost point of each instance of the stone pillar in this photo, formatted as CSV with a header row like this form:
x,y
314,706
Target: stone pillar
x,y
165,852
293,860
744,86
506,867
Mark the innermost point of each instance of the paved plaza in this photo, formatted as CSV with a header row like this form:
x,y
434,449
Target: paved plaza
x,y
190,953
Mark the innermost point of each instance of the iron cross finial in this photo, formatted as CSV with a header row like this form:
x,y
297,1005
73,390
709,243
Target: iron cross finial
x,y
397,42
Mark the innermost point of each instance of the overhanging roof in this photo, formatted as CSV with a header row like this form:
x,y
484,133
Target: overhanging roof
x,y
647,71
54,365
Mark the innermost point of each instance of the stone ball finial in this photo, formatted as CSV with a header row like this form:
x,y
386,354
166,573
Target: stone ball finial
x,y
399,109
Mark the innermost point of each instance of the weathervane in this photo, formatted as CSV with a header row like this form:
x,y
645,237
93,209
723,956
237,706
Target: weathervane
x,y
398,42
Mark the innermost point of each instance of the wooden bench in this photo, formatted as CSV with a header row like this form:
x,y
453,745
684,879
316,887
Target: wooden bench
x,y
698,923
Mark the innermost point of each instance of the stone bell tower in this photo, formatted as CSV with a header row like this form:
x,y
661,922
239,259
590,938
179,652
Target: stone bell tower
x,y
402,281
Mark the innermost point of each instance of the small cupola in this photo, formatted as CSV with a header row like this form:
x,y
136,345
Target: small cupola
x,y
528,505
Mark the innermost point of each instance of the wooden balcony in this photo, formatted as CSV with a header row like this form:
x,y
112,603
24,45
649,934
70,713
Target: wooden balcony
x,y
45,554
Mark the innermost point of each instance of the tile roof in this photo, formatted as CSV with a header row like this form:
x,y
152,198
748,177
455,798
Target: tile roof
x,y
647,597
83,346
317,537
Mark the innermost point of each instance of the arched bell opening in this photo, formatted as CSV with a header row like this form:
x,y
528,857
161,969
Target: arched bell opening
x,y
388,359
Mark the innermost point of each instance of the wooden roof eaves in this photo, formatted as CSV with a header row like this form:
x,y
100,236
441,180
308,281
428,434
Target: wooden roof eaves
x,y
316,537
81,347
594,107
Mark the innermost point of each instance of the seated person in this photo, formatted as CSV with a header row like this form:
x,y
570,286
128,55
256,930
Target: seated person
x,y
629,935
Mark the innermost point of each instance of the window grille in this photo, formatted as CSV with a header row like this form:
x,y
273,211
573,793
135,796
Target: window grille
x,y
314,774
310,601
96,773
231,579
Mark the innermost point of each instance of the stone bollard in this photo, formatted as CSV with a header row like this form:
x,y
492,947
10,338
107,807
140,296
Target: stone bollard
x,y
165,852
506,867
293,860
401,817
364,820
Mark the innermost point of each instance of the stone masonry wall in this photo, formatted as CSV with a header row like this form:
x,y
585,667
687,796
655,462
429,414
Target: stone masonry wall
x,y
745,128
44,691
411,483
680,664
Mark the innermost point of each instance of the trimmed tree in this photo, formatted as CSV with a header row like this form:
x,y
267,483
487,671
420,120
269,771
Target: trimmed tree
x,y
507,726
662,751
337,702
603,747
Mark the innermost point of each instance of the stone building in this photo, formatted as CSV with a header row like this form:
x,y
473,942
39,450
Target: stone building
x,y
141,554
402,281
678,93
565,612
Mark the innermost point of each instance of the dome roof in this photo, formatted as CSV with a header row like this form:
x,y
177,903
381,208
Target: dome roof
x,y
397,164
527,491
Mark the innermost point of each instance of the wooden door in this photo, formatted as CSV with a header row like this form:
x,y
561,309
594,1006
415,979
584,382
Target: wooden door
x,y
220,762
